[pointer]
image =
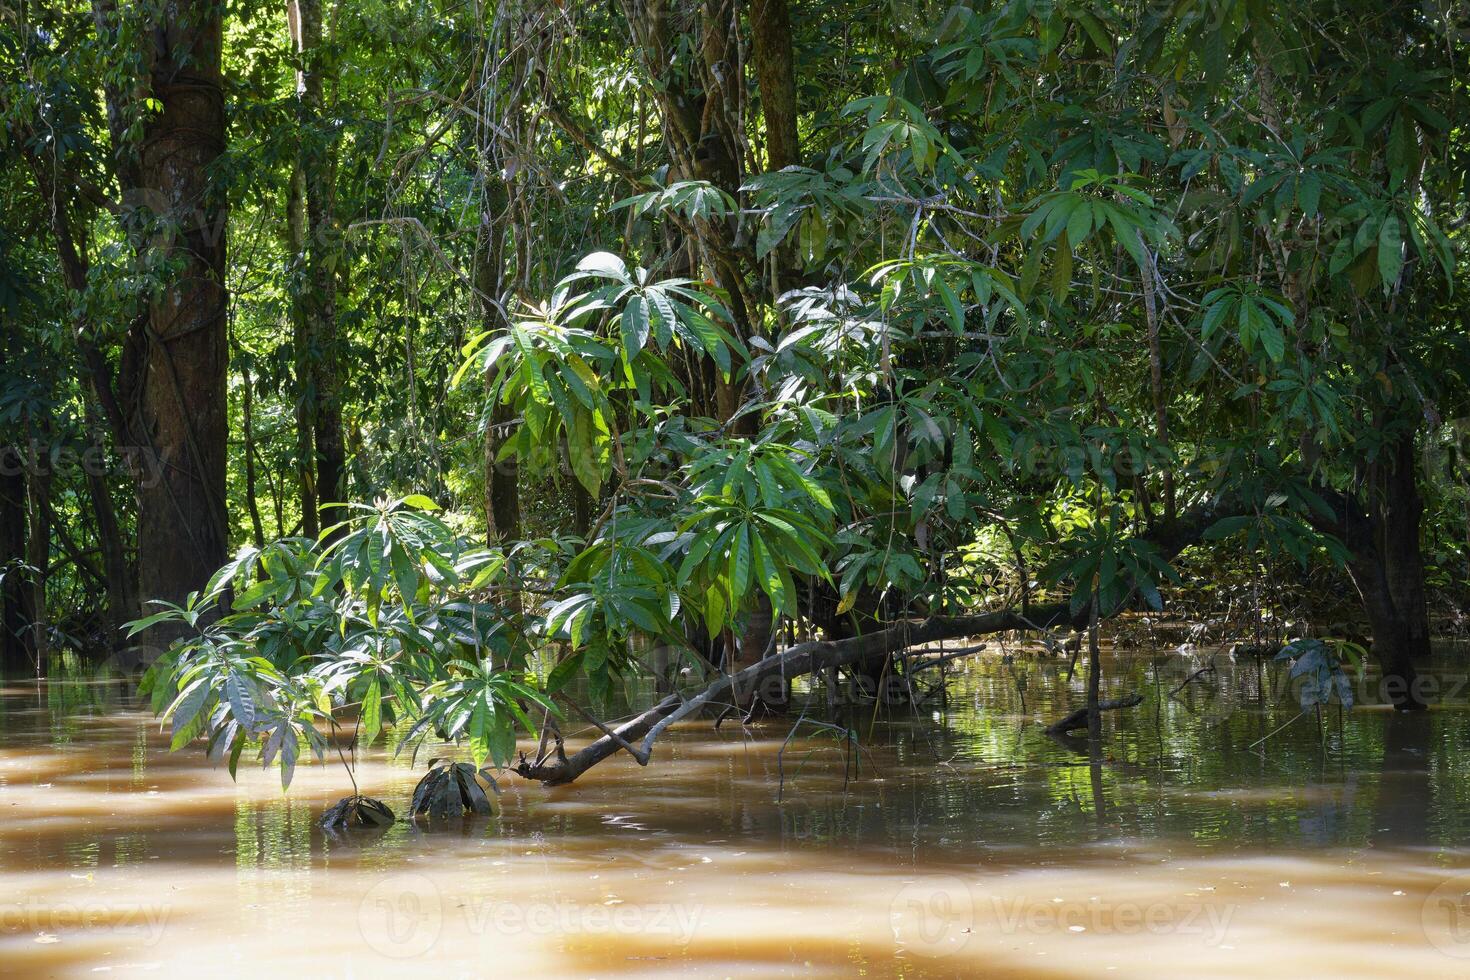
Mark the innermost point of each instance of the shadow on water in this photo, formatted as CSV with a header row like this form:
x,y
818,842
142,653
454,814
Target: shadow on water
x,y
1213,826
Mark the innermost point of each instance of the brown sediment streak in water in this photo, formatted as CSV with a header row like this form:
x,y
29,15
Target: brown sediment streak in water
x,y
964,843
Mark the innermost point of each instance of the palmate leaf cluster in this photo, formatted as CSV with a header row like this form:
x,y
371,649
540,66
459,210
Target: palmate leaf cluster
x,y
392,619
1318,669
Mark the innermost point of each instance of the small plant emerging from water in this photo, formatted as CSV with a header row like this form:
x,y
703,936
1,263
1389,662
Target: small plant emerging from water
x,y
389,618
450,789
357,813
1319,665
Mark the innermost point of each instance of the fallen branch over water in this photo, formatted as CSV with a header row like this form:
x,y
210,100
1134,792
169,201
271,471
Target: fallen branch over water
x,y
794,661
946,658
816,655
1207,669
1078,718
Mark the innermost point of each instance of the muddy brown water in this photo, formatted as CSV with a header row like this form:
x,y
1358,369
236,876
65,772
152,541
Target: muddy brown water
x,y
965,843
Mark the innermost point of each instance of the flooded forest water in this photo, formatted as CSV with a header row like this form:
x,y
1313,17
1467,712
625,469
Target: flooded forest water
x,y
960,841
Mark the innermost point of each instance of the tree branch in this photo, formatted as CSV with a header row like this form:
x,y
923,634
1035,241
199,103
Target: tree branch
x,y
816,655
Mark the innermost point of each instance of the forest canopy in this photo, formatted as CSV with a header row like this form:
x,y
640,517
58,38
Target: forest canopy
x,y
448,367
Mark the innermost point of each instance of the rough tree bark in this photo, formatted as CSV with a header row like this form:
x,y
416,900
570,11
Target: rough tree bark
x,y
1380,527
181,406
772,62
772,59
700,104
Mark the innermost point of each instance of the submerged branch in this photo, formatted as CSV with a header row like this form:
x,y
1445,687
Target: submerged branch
x,y
795,661
1078,718
817,655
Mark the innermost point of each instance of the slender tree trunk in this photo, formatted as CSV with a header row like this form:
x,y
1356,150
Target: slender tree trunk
x,y
181,412
38,552
301,345
775,73
120,576
323,358
15,597
502,477
247,423
504,58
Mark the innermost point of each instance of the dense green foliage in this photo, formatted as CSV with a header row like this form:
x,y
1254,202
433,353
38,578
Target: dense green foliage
x,y
1046,278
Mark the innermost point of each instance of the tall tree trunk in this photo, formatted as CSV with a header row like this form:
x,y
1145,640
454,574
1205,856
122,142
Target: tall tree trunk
x,y
703,111
318,163
181,411
502,477
122,594
509,44
247,425
775,73
38,550
1382,535
301,345
15,598
701,106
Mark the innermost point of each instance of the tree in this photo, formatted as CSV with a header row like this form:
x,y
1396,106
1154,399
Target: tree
x,y
732,352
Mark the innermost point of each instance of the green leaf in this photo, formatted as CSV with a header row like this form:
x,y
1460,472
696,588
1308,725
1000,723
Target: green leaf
x,y
371,715
1390,251
563,672
634,325
605,265
479,730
